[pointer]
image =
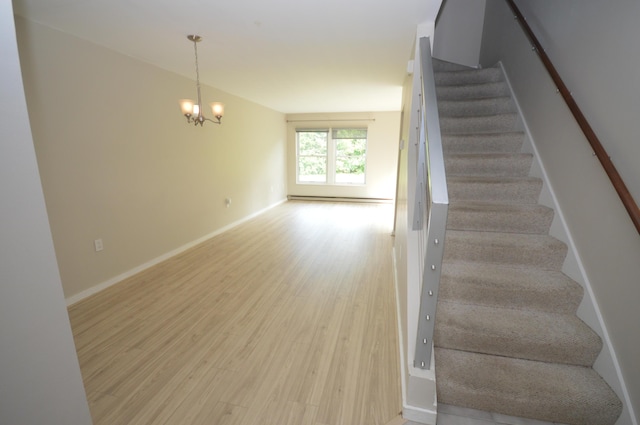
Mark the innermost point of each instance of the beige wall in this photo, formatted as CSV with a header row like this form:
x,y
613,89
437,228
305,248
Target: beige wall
x,y
118,161
382,153
40,381
602,234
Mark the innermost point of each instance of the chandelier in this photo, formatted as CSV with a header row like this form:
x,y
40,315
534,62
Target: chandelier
x,y
193,110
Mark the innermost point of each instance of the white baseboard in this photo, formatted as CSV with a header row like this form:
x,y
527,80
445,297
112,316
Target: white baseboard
x,y
339,199
119,278
422,416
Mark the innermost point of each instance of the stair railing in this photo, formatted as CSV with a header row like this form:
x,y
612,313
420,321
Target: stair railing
x,y
619,185
431,205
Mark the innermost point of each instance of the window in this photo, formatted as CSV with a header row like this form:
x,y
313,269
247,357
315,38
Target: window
x,y
331,156
350,148
312,156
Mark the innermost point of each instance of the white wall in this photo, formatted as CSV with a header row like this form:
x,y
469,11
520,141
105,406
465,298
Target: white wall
x,y
603,237
383,129
594,46
119,162
458,34
40,380
401,234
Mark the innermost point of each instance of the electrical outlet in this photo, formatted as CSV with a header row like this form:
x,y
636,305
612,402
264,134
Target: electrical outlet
x,y
227,202
98,245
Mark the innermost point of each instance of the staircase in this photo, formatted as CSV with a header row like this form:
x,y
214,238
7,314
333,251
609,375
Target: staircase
x,y
507,336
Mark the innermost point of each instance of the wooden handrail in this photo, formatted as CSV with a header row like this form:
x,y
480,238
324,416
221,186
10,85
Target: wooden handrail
x,y
619,185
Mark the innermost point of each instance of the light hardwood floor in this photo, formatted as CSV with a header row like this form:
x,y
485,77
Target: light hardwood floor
x,y
287,319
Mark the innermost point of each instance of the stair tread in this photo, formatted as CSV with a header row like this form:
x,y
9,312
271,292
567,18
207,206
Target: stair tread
x,y
525,334
494,189
545,391
476,107
472,91
504,98
503,122
440,65
518,249
501,164
484,142
499,217
494,238
490,155
514,287
496,206
456,77
489,179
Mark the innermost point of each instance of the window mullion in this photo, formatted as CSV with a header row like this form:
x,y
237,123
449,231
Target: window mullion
x,y
331,159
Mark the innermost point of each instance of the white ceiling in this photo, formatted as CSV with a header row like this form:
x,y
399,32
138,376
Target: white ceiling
x,y
290,55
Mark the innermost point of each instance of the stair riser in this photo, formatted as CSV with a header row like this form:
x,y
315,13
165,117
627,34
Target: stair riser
x,y
515,165
443,66
483,143
484,107
495,287
533,221
472,91
532,251
524,191
455,78
472,125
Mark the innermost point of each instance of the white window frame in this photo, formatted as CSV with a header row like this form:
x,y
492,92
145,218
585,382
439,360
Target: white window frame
x,y
331,158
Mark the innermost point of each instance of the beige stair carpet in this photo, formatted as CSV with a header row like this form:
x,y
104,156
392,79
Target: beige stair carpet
x,y
507,336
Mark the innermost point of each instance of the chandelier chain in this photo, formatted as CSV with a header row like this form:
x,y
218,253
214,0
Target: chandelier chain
x,y
195,48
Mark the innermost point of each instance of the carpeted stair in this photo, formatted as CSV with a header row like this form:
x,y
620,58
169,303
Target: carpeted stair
x,y
507,336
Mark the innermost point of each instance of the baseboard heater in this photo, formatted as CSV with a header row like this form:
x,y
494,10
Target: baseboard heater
x,y
339,199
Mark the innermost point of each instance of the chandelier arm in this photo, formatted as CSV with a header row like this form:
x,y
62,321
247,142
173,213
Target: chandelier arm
x,y
216,121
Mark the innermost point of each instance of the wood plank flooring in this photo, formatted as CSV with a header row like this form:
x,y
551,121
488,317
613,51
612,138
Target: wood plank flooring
x,y
287,319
